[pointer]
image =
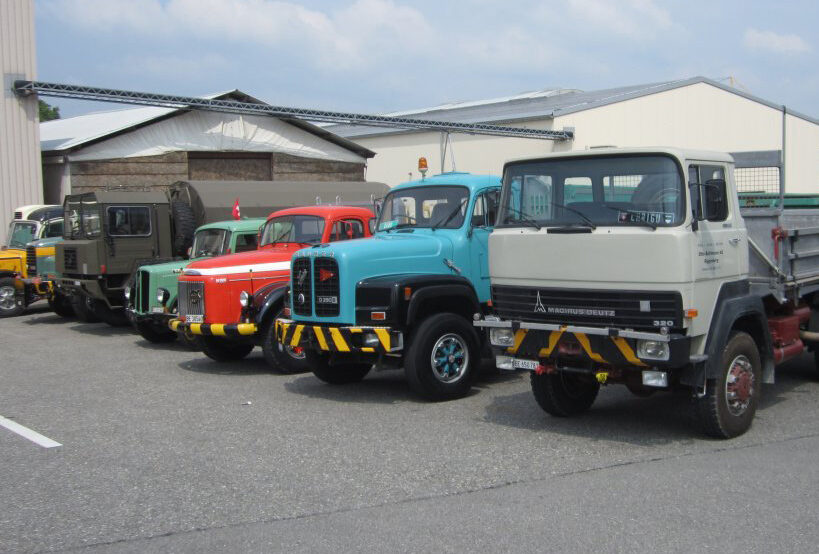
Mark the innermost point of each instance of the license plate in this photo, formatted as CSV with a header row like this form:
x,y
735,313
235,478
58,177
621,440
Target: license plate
x,y
77,283
157,310
525,364
194,318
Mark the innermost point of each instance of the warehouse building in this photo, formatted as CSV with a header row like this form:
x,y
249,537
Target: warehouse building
x,y
152,147
693,113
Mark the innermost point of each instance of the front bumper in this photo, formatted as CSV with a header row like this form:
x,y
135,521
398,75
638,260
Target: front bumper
x,y
157,318
332,338
230,330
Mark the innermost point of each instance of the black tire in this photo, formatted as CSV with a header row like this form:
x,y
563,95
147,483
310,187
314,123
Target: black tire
x,y
278,357
83,308
443,357
222,350
10,302
728,407
154,333
184,225
562,394
115,317
61,305
335,374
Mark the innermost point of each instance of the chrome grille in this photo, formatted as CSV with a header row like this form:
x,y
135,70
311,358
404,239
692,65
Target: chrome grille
x,y
191,298
325,275
31,260
302,287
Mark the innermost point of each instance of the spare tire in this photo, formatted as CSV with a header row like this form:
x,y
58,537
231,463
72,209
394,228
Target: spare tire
x,y
184,224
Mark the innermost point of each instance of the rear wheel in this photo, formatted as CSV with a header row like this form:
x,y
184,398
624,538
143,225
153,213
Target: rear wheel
x,y
61,305
729,405
563,395
222,350
286,359
10,304
83,308
335,374
154,333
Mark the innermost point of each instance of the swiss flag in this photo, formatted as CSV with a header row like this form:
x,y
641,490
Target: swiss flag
x,y
237,214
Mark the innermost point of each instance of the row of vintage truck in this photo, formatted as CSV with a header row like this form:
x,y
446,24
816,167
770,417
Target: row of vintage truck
x,y
642,267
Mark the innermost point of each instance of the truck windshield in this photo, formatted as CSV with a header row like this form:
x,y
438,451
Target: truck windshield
x,y
611,190
441,207
91,226
21,233
303,229
208,242
73,209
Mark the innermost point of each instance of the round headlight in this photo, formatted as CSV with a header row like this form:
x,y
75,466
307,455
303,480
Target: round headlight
x,y
244,299
127,293
162,295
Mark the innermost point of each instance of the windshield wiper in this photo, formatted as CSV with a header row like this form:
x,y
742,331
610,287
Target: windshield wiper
x,y
280,237
449,217
635,214
583,216
522,218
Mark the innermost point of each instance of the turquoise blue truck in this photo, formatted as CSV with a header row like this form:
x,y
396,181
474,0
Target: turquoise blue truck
x,y
404,298
151,296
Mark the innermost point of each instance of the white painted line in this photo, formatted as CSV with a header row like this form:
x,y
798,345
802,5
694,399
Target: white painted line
x,y
25,432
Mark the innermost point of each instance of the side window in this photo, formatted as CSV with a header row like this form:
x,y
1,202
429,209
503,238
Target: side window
x,y
486,209
713,198
134,221
347,229
54,229
245,242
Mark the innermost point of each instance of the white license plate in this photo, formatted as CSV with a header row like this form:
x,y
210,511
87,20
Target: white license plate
x,y
157,310
194,318
524,364
77,283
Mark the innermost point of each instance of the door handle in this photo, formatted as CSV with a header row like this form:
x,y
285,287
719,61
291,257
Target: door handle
x,y
734,240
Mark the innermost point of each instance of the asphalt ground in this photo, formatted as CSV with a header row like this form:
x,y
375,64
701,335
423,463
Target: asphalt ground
x,y
163,450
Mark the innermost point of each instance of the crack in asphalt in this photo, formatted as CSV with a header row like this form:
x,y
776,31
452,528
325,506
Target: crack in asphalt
x,y
423,498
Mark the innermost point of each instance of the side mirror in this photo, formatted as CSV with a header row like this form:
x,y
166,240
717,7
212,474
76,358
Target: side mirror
x,y
371,225
189,251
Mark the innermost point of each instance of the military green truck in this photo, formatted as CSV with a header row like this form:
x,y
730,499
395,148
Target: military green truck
x,y
151,296
109,234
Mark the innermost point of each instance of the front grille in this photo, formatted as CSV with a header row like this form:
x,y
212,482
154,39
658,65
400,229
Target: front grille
x,y
302,287
191,298
599,308
18,215
142,294
325,276
31,260
70,258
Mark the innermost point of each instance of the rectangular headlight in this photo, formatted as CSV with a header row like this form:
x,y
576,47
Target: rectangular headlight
x,y
653,350
501,337
504,362
655,379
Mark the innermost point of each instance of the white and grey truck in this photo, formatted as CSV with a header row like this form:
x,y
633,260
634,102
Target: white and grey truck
x,y
644,267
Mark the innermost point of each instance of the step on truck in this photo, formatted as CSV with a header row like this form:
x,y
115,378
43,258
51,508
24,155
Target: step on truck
x,y
404,298
110,233
230,303
151,299
643,267
19,287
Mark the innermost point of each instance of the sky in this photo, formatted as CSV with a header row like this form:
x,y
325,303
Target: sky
x,y
377,56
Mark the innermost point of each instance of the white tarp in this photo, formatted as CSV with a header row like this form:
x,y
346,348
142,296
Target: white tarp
x,y
199,131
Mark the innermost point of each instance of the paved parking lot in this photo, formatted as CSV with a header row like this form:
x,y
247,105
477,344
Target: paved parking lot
x,y
164,450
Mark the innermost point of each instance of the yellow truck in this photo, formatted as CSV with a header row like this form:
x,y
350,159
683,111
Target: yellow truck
x,y
30,223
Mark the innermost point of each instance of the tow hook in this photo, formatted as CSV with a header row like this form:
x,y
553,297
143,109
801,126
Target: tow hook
x,y
602,377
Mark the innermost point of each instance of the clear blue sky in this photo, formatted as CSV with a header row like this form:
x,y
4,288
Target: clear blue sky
x,y
375,56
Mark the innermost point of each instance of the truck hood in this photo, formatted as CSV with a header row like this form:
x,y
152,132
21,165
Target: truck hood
x,y
51,241
258,261
167,268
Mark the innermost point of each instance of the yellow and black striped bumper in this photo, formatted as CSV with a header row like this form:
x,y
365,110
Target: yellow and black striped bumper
x,y
234,330
600,349
338,339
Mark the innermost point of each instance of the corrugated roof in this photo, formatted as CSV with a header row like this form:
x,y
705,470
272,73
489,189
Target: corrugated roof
x,y
545,104
61,136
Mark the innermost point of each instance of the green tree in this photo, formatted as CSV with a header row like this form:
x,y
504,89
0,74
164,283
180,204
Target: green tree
x,y
48,112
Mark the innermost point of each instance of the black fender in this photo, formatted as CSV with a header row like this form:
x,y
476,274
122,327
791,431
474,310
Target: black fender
x,y
737,309
267,299
11,274
465,293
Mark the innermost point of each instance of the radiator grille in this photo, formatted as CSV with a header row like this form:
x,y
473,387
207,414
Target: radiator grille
x,y
622,309
70,258
143,291
302,285
18,215
191,298
325,276
31,260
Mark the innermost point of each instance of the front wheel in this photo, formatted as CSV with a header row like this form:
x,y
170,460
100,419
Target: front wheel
x,y
83,308
335,374
728,407
442,358
285,359
115,317
61,305
222,350
563,395
10,304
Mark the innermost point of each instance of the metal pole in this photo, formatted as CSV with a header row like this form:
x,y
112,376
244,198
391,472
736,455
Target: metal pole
x,y
784,158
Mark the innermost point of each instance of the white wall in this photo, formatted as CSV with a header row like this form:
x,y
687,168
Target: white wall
x,y
20,171
697,116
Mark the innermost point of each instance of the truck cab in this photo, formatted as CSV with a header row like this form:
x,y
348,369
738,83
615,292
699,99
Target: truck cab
x,y
18,288
406,296
231,302
151,296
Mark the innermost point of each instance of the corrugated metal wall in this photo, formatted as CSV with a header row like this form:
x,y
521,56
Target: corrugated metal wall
x,y
20,169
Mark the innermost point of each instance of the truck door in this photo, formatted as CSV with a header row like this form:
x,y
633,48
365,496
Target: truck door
x,y
130,237
718,239
481,225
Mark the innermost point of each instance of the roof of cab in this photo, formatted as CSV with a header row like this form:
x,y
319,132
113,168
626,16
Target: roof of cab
x,y
249,224
324,211
469,180
123,196
681,153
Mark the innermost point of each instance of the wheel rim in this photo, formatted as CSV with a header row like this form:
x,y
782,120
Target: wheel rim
x,y
740,385
7,297
450,358
295,352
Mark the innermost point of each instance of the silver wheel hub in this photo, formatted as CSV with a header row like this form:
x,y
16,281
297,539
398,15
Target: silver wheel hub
x,y
8,300
740,385
450,358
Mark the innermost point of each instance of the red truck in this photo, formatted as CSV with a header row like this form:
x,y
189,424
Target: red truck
x,y
231,302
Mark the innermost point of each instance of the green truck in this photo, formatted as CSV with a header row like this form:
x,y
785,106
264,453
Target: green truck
x,y
151,295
